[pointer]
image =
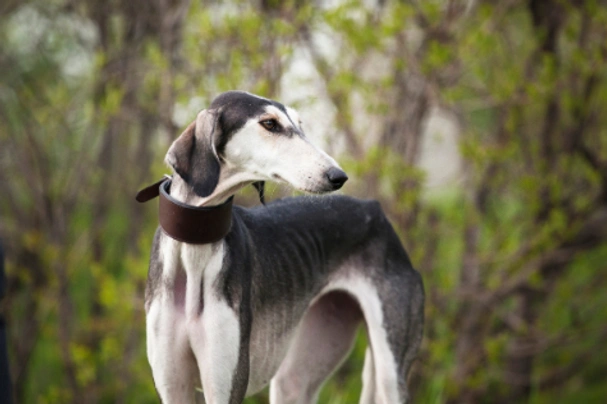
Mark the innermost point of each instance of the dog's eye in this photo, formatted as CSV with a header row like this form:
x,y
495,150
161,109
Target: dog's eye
x,y
269,124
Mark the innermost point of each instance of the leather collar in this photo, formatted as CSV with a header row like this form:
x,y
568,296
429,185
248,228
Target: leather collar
x,y
186,223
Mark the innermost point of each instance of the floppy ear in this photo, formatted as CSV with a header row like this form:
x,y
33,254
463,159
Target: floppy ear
x,y
193,155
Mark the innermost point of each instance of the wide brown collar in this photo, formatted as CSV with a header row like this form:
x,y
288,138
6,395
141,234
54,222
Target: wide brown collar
x,y
186,223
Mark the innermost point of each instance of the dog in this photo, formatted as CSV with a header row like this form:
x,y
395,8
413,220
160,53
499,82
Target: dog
x,y
277,298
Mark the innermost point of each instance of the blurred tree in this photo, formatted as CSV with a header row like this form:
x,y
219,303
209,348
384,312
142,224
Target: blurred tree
x,y
73,115
5,379
92,92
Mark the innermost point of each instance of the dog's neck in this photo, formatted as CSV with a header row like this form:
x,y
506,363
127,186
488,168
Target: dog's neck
x,y
229,183
183,193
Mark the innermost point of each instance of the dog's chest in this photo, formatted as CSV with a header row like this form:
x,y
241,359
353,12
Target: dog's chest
x,y
271,330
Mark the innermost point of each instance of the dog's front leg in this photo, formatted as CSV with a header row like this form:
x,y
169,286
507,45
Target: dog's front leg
x,y
171,359
215,341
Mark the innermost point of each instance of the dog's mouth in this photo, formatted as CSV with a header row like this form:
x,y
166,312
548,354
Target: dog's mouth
x,y
332,181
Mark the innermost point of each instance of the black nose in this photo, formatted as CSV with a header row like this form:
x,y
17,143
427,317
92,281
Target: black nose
x,y
336,177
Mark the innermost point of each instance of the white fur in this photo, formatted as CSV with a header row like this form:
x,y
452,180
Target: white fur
x,y
179,336
294,115
368,391
168,345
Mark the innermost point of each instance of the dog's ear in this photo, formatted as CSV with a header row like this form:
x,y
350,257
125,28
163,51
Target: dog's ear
x,y
193,155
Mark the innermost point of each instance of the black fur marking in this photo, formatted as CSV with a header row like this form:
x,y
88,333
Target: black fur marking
x,y
201,303
235,287
237,107
260,186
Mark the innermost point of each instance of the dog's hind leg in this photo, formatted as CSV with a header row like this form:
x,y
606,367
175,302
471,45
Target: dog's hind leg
x,y
368,393
381,376
396,341
324,338
392,331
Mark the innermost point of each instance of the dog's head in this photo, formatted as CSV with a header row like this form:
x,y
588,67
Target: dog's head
x,y
243,138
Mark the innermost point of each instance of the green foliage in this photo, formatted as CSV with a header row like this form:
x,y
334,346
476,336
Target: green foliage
x,y
86,115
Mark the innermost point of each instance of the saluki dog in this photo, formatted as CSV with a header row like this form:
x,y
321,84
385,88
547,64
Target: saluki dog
x,y
279,298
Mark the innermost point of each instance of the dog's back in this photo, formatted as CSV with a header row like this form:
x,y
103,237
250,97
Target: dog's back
x,y
294,236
